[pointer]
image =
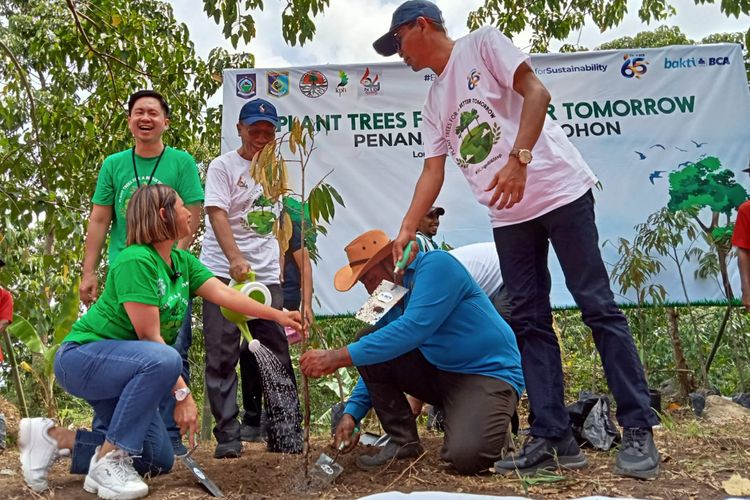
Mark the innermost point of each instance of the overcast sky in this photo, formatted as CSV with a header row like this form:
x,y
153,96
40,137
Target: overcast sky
x,y
346,30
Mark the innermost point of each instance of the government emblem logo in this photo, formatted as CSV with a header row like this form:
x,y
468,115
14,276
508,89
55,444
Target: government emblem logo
x,y
313,84
246,87
278,83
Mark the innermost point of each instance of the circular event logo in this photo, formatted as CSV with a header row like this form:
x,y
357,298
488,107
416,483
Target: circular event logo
x,y
313,84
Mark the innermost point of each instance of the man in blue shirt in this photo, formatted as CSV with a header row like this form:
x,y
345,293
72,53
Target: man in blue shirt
x,y
445,344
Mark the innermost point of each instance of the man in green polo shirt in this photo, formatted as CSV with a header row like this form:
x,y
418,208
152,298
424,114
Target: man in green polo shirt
x,y
150,161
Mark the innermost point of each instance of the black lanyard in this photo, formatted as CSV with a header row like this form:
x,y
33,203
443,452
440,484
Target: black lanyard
x,y
151,177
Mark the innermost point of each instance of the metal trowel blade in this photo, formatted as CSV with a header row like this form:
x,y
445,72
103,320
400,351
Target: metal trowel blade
x,y
193,467
326,469
382,300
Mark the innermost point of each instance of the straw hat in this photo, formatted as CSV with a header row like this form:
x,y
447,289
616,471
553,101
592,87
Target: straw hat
x,y
364,252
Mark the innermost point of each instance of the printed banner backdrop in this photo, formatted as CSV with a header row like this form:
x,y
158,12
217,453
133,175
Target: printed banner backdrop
x,y
636,116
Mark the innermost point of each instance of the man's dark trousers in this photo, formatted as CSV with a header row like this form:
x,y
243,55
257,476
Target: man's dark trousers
x,y
477,408
523,250
223,351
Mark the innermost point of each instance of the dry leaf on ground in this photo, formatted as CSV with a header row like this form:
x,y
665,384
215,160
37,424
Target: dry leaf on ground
x,y
737,485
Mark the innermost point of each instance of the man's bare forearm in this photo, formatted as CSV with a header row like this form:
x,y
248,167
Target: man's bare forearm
x,y
425,192
223,231
532,120
95,235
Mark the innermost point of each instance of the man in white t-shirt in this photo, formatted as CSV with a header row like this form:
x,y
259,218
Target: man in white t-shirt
x,y
480,259
239,239
487,110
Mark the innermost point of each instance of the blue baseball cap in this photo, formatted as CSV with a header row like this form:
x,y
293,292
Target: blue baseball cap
x,y
259,110
407,12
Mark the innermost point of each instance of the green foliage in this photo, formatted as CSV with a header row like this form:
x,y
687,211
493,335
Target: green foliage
x,y
634,271
67,70
319,201
557,19
22,330
660,37
238,23
730,373
43,351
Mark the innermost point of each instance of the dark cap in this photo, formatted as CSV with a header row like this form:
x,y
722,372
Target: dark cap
x,y
259,110
406,13
437,210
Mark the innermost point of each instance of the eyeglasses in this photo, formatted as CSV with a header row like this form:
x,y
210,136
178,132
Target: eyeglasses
x,y
397,37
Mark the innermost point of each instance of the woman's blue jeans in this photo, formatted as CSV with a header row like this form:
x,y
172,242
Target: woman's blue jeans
x,y
124,381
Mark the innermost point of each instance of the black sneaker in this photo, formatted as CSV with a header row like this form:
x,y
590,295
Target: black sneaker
x,y
638,456
251,434
391,451
230,449
542,453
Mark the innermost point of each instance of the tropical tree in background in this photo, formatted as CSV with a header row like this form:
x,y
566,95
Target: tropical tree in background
x,y
67,69
238,23
550,20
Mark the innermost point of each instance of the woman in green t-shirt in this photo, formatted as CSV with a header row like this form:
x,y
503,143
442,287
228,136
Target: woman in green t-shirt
x,y
144,299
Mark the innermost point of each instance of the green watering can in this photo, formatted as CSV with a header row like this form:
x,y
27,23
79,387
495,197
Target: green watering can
x,y
256,291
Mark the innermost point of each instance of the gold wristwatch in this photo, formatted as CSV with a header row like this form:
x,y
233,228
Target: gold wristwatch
x,y
524,155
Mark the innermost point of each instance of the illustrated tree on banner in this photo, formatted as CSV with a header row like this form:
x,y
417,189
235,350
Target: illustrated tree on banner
x,y
706,184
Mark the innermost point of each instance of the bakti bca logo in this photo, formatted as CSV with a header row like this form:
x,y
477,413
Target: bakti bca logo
x,y
635,65
369,84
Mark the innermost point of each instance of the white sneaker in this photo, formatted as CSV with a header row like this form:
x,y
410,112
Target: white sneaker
x,y
113,477
38,451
